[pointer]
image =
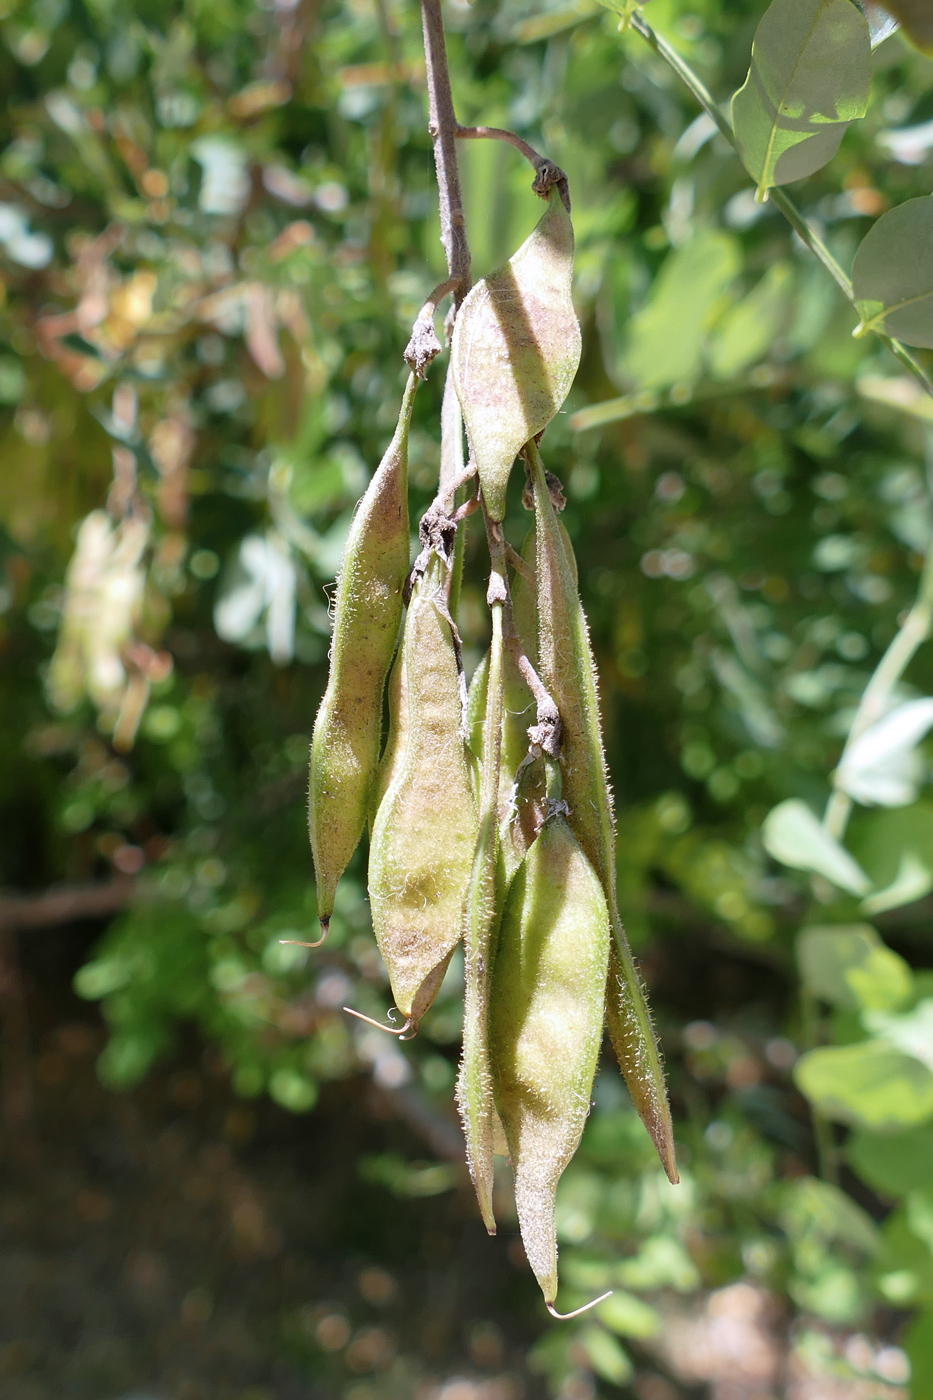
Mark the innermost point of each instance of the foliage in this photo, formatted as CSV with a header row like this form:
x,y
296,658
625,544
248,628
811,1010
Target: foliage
x,y
218,223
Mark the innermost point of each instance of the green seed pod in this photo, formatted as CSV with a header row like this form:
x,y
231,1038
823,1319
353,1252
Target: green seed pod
x,y
425,829
569,673
452,466
523,810
394,751
367,615
515,350
476,707
520,813
545,1025
480,915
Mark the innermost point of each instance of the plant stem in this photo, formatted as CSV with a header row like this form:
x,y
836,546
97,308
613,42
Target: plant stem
x,y
824,1143
788,208
547,174
916,628
443,127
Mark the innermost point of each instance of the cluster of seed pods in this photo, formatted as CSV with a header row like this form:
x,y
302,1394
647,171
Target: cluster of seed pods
x,y
486,829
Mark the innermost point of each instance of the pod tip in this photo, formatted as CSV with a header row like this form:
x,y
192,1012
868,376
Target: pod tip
x,y
565,1317
404,1032
300,942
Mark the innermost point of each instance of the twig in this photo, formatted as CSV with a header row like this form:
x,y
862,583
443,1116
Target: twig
x,y
788,208
424,344
915,630
65,905
443,129
545,735
520,565
547,174
17,1091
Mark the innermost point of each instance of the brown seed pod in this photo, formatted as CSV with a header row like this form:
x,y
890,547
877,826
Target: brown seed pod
x,y
569,673
515,350
425,829
545,1025
367,614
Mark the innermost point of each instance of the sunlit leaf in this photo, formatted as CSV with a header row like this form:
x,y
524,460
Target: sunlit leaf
x,y
629,1315
913,880
893,274
893,1163
665,337
870,1084
895,848
912,1031
606,1356
749,329
809,79
848,965
881,767
792,835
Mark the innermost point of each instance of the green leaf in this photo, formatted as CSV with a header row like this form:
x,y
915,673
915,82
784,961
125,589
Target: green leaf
x,y
892,275
809,79
624,1313
747,332
870,1084
607,1358
816,1210
911,1032
895,1163
848,965
666,336
913,880
407,1180
293,1090
895,849
792,835
918,1343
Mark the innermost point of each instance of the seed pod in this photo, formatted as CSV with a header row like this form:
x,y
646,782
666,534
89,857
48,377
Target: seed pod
x,y
367,614
476,707
569,673
523,809
425,829
394,751
452,466
515,350
480,915
545,1025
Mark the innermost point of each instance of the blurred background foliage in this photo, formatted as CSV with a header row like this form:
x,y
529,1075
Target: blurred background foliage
x,y
217,222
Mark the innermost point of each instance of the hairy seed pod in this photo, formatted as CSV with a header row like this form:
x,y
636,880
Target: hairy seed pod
x,y
524,807
367,615
452,467
545,1025
394,751
480,915
569,673
425,829
515,350
520,811
476,707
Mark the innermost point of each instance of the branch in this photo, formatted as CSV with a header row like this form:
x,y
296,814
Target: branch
x,y
443,129
547,174
424,345
65,905
788,208
914,631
